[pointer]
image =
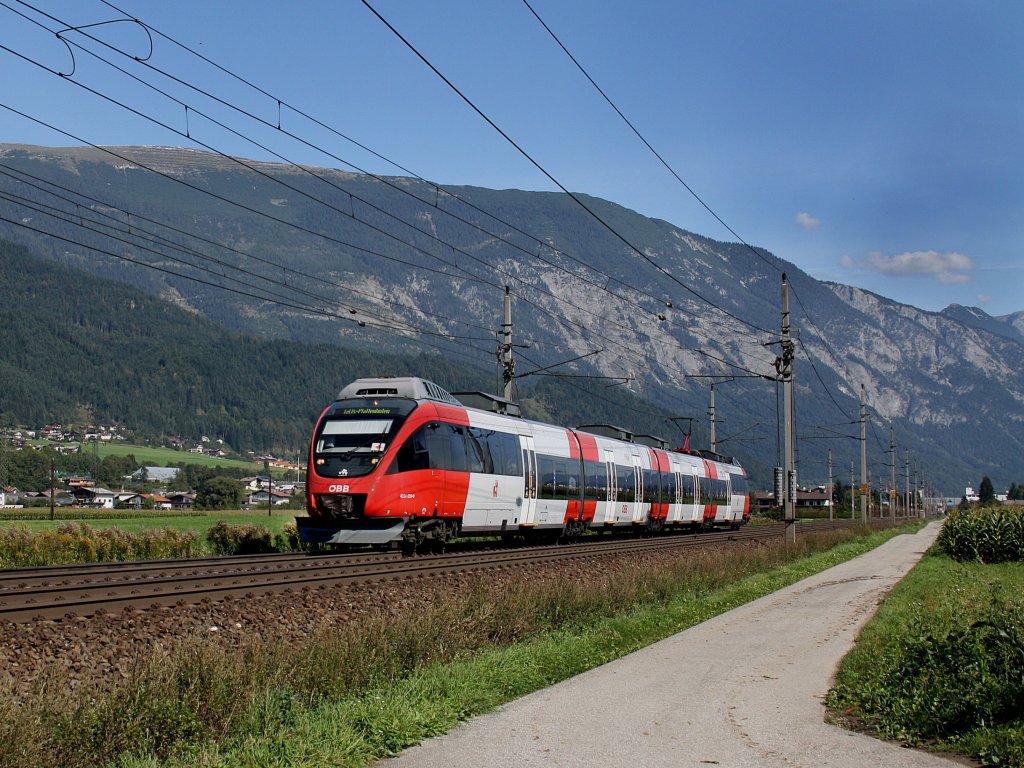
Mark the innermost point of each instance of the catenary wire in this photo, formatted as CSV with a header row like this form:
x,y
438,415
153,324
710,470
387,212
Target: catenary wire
x,y
240,135
229,201
689,189
540,243
552,179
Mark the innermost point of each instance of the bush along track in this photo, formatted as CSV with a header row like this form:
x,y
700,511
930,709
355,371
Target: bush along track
x,y
942,663
369,683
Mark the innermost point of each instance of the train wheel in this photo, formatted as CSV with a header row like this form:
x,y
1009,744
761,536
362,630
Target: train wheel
x,y
412,541
572,532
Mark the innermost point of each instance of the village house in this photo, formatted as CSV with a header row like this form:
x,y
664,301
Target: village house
x,y
259,498
158,501
182,500
813,501
156,474
96,497
128,500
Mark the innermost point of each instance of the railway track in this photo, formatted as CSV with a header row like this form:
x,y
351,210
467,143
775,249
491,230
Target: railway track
x,y
55,592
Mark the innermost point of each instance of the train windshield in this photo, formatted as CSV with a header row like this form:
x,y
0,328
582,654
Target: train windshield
x,y
353,436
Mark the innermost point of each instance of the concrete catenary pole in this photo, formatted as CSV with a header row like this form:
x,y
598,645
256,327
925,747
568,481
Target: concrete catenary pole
x,y
864,489
892,478
831,494
508,365
711,413
853,479
906,494
785,365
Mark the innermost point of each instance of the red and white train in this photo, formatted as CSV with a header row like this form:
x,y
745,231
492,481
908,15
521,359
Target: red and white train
x,y
402,460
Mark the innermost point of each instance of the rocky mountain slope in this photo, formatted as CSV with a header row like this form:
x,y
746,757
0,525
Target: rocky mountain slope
x,y
396,264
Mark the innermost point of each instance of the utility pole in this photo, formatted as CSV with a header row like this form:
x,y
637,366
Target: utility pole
x,y
831,488
53,487
711,413
270,488
864,489
3,461
784,367
508,365
906,493
892,479
917,488
852,480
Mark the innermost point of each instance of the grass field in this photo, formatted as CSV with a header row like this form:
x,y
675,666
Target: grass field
x,y
198,523
162,457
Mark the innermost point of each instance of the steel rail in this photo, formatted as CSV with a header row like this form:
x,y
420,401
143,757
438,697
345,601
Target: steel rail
x,y
54,592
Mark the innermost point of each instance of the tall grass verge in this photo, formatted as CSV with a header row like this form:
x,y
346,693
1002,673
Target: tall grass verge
x,y
74,543
71,543
353,693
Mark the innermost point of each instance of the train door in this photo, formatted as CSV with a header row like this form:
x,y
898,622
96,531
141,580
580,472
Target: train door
x,y
640,506
613,486
696,508
676,500
730,508
531,482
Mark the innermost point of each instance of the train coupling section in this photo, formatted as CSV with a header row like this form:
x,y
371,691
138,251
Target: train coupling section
x,y
361,531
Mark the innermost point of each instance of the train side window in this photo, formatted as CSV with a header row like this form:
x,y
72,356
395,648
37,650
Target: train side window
x,y
689,489
457,460
415,452
506,454
705,491
572,481
595,481
626,480
720,489
739,484
652,485
478,450
669,488
545,477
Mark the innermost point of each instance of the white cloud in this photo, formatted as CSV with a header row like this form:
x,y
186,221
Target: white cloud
x,y
950,267
807,221
983,298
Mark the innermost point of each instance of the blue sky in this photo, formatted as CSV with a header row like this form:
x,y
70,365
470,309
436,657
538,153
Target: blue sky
x,y
877,144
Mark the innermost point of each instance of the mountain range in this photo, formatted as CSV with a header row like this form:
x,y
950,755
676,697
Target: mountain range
x,y
637,317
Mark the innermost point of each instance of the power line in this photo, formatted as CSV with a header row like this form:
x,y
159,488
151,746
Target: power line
x,y
539,243
249,167
689,189
245,207
306,230
646,143
552,179
323,312
135,217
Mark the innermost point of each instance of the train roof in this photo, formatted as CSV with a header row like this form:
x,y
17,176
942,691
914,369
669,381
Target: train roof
x,y
411,387
415,388
485,401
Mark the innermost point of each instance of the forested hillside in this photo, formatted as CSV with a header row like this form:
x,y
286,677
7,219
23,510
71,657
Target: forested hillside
x,y
76,348
80,349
